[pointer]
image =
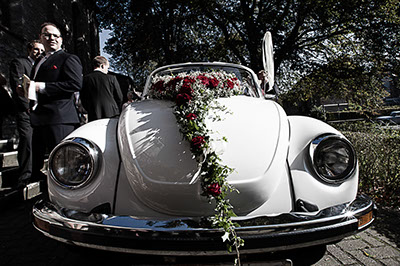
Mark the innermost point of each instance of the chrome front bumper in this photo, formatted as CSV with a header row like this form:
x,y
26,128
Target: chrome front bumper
x,y
192,237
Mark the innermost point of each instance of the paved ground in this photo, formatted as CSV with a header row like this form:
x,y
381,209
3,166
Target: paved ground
x,y
21,244
379,245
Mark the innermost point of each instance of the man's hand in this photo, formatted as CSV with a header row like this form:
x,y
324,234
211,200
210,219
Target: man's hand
x,y
20,91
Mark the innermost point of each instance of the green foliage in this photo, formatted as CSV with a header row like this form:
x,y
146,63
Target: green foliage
x,y
378,151
319,113
307,35
347,79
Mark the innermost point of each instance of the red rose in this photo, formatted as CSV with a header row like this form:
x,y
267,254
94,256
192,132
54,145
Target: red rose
x,y
204,80
197,142
191,116
189,80
214,189
172,83
214,82
186,88
230,84
182,98
54,67
158,86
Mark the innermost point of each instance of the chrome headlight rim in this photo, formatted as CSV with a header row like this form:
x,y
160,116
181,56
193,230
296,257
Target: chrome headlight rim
x,y
319,142
90,148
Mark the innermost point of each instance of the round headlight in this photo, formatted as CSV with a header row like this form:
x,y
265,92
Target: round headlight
x,y
74,162
333,158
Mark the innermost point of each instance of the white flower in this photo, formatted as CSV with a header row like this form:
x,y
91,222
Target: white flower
x,y
225,237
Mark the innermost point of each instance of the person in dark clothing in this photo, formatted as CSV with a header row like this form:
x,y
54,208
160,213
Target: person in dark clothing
x,y
19,67
101,95
6,103
55,79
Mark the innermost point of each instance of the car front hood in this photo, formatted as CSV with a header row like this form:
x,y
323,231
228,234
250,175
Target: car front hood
x,y
163,173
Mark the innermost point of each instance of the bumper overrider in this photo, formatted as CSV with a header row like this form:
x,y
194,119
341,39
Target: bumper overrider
x,y
188,236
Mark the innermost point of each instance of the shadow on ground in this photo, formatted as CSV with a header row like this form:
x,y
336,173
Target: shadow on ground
x,y
388,223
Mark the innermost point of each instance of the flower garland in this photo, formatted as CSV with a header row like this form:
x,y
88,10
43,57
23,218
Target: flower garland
x,y
195,95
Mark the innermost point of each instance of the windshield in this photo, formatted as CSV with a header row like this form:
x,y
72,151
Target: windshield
x,y
246,80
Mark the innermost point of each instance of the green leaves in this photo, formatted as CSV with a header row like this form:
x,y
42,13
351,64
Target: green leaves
x,y
307,35
193,126
378,153
346,79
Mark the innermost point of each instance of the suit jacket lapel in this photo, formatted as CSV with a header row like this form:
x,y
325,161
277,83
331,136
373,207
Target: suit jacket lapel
x,y
34,71
40,66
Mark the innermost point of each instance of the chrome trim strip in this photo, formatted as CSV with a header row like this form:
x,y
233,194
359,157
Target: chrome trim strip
x,y
197,252
192,236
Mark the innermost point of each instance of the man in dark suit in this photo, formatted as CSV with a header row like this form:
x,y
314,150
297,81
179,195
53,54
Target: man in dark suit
x,y
101,95
56,77
6,103
19,67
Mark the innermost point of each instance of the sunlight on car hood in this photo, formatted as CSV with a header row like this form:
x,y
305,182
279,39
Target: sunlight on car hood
x,y
162,171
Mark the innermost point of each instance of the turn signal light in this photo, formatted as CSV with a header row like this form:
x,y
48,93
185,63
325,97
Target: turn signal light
x,y
365,219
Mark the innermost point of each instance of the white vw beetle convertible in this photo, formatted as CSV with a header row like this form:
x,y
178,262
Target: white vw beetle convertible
x,y
203,149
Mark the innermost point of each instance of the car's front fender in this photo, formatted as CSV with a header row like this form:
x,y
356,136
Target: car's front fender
x,y
101,189
307,186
